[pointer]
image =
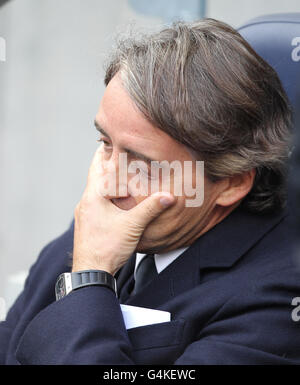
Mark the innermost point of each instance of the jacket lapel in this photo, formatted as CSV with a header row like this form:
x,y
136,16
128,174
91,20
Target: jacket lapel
x,y
220,247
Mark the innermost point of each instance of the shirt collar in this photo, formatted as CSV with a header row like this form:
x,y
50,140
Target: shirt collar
x,y
162,260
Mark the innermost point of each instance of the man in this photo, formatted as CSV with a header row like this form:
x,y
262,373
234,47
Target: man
x,y
223,268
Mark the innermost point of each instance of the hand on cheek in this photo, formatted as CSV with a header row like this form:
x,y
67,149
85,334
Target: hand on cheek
x,y
106,236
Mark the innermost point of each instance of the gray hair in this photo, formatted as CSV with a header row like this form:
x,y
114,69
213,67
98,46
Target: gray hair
x,y
204,85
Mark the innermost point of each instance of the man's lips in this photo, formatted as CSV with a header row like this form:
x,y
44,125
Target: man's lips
x,y
124,203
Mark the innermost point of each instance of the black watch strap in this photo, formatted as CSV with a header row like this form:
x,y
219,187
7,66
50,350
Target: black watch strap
x,y
91,278
68,282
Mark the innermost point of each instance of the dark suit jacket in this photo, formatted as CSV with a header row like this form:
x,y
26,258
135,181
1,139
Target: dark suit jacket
x,y
230,295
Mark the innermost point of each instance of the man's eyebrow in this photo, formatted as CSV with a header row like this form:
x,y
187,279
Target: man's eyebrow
x,y
132,153
137,155
100,129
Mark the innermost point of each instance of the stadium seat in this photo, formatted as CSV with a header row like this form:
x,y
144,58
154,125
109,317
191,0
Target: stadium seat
x,y
277,39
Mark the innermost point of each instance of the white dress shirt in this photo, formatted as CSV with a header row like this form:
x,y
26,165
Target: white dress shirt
x,y
161,260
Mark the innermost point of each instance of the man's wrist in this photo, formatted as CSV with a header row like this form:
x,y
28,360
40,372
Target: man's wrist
x,y
68,282
78,268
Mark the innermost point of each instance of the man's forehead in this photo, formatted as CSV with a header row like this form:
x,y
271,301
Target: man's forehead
x,y
124,120
122,129
120,119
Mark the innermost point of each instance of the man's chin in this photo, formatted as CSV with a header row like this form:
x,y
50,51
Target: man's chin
x,y
150,245
146,248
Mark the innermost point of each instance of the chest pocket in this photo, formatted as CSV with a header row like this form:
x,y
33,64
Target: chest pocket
x,y
157,344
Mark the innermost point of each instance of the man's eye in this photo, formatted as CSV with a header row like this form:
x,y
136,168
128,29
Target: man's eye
x,y
104,141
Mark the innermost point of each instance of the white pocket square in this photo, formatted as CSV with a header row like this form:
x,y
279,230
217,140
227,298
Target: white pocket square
x,y
140,316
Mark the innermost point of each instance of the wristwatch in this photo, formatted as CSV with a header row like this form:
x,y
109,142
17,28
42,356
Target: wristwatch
x,y
68,282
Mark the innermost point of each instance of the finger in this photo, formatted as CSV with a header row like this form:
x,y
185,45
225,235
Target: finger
x,y
94,174
151,207
95,167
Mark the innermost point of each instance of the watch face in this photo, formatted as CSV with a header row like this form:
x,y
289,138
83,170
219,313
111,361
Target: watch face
x,y
60,288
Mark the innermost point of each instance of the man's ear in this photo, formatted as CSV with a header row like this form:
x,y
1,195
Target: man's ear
x,y
237,187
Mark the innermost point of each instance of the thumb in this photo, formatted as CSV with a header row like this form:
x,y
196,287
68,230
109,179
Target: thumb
x,y
151,207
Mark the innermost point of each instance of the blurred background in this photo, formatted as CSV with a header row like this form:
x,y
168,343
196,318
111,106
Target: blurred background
x,y
51,83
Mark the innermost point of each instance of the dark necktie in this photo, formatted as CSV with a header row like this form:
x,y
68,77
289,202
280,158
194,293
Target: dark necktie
x,y
145,272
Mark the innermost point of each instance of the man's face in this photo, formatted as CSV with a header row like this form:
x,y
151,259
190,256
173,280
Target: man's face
x,y
124,130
